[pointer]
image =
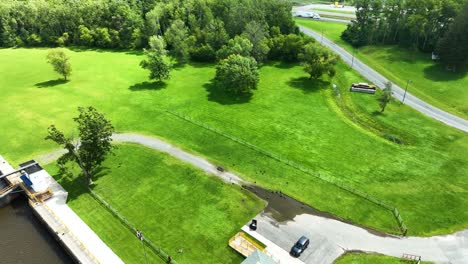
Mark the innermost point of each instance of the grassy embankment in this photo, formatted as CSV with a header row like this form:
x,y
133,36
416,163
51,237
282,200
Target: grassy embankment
x,y
173,204
430,81
289,115
364,258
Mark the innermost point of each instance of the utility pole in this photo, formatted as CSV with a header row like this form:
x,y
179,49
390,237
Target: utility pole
x,y
406,89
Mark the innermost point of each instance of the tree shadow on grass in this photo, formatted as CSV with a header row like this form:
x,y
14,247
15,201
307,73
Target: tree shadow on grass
x,y
100,172
437,72
217,94
307,85
73,184
51,83
284,65
148,86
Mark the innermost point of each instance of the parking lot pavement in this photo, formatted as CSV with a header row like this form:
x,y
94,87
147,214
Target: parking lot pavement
x,y
320,250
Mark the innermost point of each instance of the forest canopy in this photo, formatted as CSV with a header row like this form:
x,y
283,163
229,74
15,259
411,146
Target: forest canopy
x,y
418,24
201,26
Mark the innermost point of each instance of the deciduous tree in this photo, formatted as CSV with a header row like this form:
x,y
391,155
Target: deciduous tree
x,y
178,37
60,61
385,97
257,34
237,46
318,61
237,74
157,45
158,67
453,47
93,145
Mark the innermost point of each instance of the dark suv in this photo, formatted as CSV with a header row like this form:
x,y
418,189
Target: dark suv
x,y
300,246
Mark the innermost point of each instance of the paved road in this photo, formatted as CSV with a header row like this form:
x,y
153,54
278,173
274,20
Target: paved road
x,y
329,238
312,7
325,6
398,92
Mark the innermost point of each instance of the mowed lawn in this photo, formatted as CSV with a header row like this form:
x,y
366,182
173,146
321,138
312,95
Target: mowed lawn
x,y
175,205
289,115
363,258
429,80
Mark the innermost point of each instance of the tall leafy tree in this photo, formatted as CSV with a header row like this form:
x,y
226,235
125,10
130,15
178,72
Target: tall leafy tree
x,y
178,37
453,47
215,34
94,145
385,97
157,45
257,34
318,60
60,62
238,45
237,75
158,67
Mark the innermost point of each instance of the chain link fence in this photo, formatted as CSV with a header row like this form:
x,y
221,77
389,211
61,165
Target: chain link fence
x,y
163,255
301,168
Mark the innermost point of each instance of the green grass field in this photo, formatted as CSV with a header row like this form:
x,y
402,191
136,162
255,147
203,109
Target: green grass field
x,y
173,204
430,81
290,115
363,258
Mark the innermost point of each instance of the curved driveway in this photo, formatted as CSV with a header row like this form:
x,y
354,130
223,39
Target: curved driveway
x,y
398,92
329,238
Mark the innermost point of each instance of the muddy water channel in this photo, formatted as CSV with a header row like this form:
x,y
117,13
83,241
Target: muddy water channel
x,y
24,239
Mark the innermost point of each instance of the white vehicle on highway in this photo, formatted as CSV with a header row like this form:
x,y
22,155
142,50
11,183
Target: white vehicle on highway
x,y
306,14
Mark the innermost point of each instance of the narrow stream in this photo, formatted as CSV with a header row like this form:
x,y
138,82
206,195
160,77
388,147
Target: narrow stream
x,y
24,239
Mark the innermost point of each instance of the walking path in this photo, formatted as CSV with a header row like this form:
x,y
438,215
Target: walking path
x,y
329,238
196,161
380,81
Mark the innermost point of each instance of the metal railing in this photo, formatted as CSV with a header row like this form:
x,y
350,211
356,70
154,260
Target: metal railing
x,y
163,255
302,168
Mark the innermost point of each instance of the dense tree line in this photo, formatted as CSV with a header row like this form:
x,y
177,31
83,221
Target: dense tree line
x,y
419,23
453,47
203,30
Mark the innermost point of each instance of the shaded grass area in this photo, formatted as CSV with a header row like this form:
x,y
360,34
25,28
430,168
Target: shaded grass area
x,y
174,205
430,81
369,258
288,114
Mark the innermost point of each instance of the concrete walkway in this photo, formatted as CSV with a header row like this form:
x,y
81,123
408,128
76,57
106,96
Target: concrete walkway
x,y
86,245
380,81
329,238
